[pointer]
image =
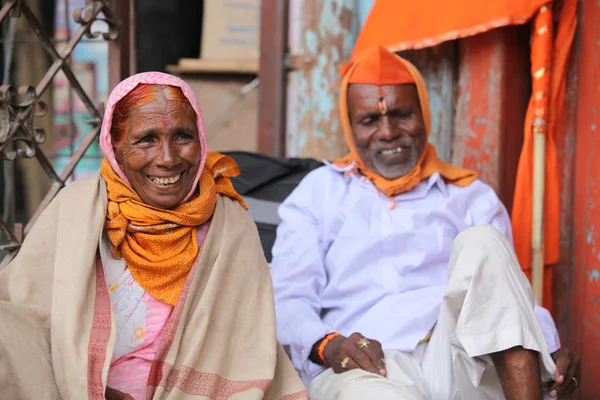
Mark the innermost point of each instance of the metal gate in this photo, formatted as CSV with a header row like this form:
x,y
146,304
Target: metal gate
x,y
20,107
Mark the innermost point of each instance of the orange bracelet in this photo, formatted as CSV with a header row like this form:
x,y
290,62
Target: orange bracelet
x,y
324,343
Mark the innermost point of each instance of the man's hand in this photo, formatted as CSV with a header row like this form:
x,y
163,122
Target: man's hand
x,y
343,354
114,394
568,373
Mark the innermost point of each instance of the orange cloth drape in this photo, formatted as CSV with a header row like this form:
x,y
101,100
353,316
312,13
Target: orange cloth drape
x,y
426,23
159,246
549,56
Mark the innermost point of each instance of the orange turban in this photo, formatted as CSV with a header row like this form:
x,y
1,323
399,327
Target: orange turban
x,y
379,66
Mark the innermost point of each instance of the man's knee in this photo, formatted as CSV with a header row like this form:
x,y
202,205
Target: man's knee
x,y
479,247
480,236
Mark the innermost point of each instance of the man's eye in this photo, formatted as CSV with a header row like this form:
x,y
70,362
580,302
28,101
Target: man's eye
x,y
402,114
367,121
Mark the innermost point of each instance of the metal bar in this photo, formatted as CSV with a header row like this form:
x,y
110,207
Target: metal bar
x,y
27,40
11,237
59,61
121,54
273,77
119,51
46,164
70,131
66,173
85,144
566,134
6,9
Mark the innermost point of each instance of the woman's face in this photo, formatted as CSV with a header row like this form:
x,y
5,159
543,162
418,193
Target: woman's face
x,y
160,151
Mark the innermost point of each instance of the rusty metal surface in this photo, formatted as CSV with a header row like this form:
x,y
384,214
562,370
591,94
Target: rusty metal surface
x,y
273,77
18,135
327,33
477,132
492,99
585,288
321,38
439,67
566,133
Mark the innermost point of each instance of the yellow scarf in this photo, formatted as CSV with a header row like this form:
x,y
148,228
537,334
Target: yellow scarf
x,y
160,246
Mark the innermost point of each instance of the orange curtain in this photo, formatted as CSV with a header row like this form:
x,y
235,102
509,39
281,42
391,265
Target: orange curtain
x,y
426,23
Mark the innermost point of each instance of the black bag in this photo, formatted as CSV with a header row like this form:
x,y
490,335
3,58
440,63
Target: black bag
x,y
264,183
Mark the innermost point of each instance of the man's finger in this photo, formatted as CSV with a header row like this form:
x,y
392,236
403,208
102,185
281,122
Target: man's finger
x,y
351,348
569,384
373,350
563,360
363,361
348,362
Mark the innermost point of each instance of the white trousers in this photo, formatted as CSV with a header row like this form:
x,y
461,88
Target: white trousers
x,y
488,307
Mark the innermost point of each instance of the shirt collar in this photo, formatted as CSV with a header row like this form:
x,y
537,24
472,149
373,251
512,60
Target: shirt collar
x,y
434,180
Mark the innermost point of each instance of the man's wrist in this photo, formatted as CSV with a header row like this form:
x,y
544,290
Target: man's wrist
x,y
317,354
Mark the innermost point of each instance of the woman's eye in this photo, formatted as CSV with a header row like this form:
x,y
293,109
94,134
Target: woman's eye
x,y
184,136
146,139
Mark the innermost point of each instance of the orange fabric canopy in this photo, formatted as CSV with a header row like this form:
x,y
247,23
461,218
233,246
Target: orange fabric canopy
x,y
402,25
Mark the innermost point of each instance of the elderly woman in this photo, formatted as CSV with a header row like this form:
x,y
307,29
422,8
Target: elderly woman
x,y
148,280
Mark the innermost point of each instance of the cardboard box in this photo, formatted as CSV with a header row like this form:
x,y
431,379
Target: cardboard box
x,y
231,30
231,119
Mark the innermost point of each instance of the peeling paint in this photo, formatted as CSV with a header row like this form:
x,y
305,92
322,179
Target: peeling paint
x,y
594,276
329,32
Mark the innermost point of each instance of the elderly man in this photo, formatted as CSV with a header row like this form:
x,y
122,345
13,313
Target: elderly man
x,y
393,271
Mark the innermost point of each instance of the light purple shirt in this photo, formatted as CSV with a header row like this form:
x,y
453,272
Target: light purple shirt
x,y
345,261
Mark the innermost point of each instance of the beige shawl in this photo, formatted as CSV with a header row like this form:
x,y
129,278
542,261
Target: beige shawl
x,y
57,331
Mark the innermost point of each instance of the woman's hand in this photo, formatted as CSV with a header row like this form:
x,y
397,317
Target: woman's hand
x,y
343,354
568,373
114,394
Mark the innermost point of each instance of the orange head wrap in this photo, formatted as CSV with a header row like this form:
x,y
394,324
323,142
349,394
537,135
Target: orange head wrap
x,y
379,66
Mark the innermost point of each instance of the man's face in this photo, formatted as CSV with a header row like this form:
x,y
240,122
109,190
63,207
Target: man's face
x,y
390,142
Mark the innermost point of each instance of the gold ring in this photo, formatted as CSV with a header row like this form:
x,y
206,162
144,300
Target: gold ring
x,y
344,362
363,343
575,380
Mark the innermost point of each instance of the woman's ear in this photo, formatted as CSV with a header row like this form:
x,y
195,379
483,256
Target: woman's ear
x,y
118,154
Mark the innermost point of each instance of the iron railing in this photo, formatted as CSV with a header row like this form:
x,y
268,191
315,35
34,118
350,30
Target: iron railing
x,y
20,107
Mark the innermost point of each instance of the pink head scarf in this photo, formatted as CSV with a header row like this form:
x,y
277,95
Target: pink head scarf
x,y
126,86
